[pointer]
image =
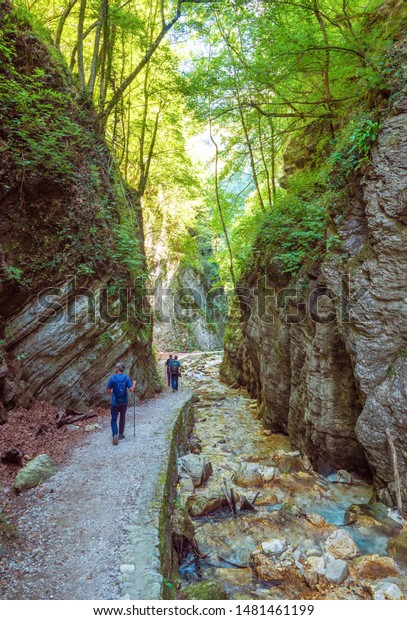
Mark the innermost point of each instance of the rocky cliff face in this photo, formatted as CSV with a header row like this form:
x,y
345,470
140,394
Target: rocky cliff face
x,y
186,313
64,242
331,369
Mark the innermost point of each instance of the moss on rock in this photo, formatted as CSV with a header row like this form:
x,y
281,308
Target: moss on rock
x,y
36,471
204,591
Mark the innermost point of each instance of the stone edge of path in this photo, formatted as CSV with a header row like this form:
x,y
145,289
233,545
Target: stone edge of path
x,y
149,564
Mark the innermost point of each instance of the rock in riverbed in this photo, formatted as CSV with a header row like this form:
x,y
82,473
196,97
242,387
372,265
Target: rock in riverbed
x,y
397,547
204,591
248,475
372,515
336,571
341,546
375,567
201,505
384,590
274,560
198,467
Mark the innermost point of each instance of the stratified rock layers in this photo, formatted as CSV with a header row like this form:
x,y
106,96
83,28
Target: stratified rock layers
x,y
331,369
68,262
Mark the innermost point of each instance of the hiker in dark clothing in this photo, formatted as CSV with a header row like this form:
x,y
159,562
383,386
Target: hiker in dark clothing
x,y
175,373
168,367
118,386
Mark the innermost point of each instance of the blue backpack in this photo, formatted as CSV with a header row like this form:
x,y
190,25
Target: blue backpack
x,y
120,390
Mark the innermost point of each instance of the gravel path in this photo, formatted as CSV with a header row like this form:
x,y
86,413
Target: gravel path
x,y
73,528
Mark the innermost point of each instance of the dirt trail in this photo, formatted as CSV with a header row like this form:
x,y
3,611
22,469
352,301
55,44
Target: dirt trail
x,y
72,528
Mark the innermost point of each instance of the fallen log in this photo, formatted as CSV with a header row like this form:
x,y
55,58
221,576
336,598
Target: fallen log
x,y
69,416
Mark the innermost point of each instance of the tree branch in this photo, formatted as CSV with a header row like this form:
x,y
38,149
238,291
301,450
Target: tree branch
x,y
166,27
251,104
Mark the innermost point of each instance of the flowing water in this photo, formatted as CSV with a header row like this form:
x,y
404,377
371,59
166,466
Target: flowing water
x,y
231,435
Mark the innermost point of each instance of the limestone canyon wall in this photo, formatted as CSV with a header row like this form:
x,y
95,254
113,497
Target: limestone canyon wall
x,y
62,203
335,377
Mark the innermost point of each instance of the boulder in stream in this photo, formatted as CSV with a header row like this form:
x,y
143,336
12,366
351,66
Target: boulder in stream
x,y
375,567
289,462
186,486
213,394
273,560
341,546
397,547
385,590
36,471
336,571
198,467
248,475
276,545
201,505
372,515
343,476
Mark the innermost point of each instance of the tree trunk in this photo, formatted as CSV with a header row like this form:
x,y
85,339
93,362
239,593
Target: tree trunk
x,y
251,155
103,12
263,158
219,205
81,62
62,21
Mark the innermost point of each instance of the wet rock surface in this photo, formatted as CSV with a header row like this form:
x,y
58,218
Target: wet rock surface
x,y
309,536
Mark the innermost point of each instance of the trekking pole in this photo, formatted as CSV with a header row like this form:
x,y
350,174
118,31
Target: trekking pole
x,y
134,414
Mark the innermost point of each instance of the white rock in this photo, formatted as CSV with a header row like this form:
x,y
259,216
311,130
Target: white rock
x,y
306,463
316,564
313,551
337,571
384,590
343,476
248,474
92,427
197,466
127,568
186,484
268,473
276,545
341,546
72,427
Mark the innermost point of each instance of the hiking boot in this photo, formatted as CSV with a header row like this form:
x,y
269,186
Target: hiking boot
x,y
122,436
115,440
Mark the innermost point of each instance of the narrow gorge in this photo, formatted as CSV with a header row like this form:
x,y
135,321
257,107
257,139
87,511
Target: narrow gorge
x,y
325,354
224,181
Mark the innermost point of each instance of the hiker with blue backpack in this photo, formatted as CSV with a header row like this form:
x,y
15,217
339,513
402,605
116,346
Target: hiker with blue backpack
x,y
118,386
175,368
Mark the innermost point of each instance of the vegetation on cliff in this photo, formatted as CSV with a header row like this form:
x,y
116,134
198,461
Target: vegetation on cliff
x,y
61,195
294,93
